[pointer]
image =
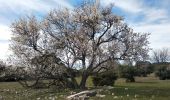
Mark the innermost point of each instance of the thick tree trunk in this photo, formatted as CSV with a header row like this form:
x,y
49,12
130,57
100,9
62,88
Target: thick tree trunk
x,y
74,82
83,80
84,74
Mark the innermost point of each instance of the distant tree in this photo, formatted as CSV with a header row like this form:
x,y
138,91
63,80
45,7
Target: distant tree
x,y
163,73
85,38
144,68
160,55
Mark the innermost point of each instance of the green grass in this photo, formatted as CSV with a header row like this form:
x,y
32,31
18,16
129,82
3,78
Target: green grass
x,y
14,91
149,88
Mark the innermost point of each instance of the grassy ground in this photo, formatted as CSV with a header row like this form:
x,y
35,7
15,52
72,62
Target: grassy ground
x,y
144,89
149,88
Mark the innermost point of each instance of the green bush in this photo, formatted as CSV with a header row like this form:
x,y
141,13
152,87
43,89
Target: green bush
x,y
129,72
106,78
144,71
163,73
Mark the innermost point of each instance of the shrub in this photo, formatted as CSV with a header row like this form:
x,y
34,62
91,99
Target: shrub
x,y
163,73
8,78
10,75
105,78
144,71
129,72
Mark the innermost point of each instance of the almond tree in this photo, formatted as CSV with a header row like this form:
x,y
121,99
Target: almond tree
x,y
84,39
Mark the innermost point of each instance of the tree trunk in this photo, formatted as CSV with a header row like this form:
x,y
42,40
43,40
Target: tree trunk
x,y
83,80
74,82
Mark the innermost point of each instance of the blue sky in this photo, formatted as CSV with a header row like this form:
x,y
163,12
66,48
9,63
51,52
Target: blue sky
x,y
151,16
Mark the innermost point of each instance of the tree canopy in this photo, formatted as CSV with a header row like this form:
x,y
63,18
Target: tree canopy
x,y
84,38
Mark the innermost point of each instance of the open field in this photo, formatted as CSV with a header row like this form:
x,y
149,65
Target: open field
x,y
149,88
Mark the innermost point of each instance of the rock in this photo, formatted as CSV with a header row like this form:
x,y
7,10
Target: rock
x,y
109,87
115,97
101,96
82,95
99,91
72,92
91,93
1,98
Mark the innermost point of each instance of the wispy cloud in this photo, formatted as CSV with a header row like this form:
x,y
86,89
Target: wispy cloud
x,y
140,7
160,33
32,5
152,17
131,6
11,9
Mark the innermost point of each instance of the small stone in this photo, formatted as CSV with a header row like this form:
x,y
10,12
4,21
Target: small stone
x,y
61,95
83,97
1,97
136,95
101,96
153,96
91,93
115,97
109,87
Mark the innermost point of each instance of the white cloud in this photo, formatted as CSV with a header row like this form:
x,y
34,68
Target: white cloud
x,y
160,34
63,3
132,6
22,6
18,8
4,50
5,35
5,32
135,7
32,5
156,14
155,20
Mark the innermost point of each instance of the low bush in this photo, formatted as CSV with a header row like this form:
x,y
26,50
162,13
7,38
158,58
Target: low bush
x,y
105,78
144,71
163,73
129,72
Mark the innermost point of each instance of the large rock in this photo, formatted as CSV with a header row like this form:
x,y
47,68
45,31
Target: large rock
x,y
84,95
